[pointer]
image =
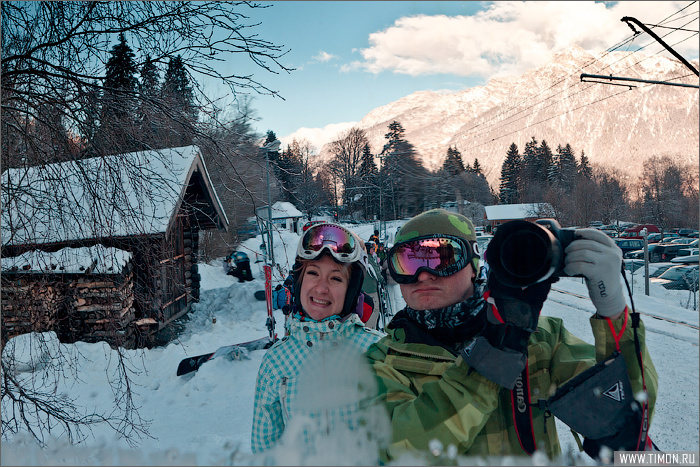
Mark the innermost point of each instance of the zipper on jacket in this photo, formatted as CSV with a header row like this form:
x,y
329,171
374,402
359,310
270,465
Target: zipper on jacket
x,y
283,400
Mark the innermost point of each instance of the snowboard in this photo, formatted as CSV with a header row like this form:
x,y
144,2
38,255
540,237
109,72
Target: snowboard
x,y
259,295
190,364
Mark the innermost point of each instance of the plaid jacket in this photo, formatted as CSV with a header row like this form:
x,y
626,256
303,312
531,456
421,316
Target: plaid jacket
x,y
430,394
276,389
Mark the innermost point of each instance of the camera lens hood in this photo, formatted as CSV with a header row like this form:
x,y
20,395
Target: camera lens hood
x,y
523,253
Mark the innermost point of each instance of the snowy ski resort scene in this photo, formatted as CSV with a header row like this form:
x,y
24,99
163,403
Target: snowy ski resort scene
x,y
350,233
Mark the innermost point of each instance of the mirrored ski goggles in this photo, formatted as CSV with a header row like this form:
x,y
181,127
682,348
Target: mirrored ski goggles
x,y
339,242
441,255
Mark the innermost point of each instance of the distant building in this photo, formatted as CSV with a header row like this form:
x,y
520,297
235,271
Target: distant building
x,y
284,216
502,213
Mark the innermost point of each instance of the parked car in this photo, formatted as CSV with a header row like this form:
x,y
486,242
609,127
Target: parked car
x,y
633,264
634,232
634,254
687,232
629,244
664,252
655,237
688,249
691,258
639,254
679,278
682,240
310,223
662,268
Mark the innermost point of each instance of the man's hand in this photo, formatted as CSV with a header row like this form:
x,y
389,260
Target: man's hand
x,y
596,257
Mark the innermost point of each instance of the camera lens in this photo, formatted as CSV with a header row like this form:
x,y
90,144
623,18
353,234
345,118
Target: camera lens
x,y
522,253
525,254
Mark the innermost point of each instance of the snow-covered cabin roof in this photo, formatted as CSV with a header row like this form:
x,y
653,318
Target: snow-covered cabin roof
x,y
516,211
96,259
139,193
280,210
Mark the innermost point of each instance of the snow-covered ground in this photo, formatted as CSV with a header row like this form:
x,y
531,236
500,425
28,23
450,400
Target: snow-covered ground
x,y
205,418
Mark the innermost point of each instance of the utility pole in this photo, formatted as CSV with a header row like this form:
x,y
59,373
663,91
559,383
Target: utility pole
x,y
629,19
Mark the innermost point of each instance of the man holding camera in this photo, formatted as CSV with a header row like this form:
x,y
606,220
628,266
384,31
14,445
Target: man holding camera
x,y
481,370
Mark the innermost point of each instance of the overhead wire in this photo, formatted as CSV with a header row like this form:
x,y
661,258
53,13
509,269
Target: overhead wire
x,y
506,121
578,83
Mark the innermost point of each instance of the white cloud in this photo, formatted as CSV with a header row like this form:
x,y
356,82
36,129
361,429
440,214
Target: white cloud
x,y
512,37
323,57
318,136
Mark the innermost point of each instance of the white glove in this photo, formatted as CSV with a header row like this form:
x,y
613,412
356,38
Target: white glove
x,y
596,257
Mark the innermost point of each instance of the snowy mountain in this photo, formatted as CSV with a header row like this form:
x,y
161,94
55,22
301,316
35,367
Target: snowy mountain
x,y
616,126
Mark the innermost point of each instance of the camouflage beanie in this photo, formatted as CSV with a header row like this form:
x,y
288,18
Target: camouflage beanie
x,y
440,221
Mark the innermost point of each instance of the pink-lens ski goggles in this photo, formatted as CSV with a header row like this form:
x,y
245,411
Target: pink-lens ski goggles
x,y
441,255
339,242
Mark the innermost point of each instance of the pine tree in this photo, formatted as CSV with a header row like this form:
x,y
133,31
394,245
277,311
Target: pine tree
x,y
567,167
545,159
476,168
120,78
368,166
369,174
178,96
453,164
288,168
148,113
270,137
584,167
118,119
553,169
530,162
405,174
510,172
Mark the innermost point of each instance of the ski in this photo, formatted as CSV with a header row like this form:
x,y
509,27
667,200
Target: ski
x,y
190,364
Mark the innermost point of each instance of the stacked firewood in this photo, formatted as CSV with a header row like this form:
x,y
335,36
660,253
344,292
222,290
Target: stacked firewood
x,y
29,306
101,308
87,307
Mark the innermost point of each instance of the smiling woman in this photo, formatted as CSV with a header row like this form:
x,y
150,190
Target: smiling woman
x,y
328,274
324,286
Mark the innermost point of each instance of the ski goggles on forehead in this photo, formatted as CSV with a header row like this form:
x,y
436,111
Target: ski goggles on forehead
x,y
339,242
441,255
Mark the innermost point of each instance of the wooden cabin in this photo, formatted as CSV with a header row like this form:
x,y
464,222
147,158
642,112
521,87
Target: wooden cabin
x,y
105,248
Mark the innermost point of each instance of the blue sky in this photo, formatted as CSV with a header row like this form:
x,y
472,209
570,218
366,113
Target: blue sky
x,y
351,57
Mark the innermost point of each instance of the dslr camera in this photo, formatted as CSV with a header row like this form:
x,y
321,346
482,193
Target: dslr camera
x,y
523,253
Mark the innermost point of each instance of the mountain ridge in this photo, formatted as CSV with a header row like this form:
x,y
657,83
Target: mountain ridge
x,y
616,126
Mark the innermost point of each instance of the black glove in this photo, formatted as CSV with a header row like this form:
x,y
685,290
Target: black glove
x,y
517,306
499,351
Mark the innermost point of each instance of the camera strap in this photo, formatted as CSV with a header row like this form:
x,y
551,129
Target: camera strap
x,y
572,403
522,412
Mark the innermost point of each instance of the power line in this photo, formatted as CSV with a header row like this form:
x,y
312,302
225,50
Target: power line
x,y
507,122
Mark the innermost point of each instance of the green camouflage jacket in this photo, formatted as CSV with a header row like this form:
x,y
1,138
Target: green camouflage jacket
x,y
431,394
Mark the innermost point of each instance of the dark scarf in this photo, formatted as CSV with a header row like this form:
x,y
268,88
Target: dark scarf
x,y
448,327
